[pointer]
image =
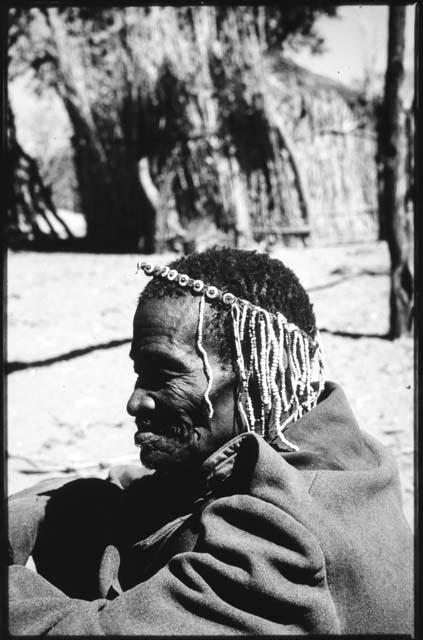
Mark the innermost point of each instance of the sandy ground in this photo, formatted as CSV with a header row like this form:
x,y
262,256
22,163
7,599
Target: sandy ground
x,y
70,414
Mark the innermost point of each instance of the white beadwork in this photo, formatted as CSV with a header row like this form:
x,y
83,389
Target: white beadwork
x,y
212,292
198,286
228,298
207,368
183,279
284,389
172,275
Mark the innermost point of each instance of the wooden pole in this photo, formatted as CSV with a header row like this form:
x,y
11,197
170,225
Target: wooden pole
x,y
394,212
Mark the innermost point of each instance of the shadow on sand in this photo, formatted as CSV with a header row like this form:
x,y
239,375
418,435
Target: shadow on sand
x,y
355,335
11,367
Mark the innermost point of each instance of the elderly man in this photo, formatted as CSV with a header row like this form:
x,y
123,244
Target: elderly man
x,y
261,508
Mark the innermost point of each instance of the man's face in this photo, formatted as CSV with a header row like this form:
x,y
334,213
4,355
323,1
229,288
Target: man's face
x,y
173,427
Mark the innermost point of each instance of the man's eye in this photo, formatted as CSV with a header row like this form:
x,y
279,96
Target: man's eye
x,y
154,379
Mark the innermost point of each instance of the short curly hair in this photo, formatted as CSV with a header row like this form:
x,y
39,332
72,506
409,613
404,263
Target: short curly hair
x,y
254,276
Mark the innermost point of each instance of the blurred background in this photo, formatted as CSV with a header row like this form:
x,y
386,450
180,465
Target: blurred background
x,y
161,130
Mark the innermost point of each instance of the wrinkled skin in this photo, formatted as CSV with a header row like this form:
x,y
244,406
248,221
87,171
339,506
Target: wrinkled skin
x,y
173,426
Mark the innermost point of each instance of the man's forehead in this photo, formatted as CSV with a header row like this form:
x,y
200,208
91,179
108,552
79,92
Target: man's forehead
x,y
172,320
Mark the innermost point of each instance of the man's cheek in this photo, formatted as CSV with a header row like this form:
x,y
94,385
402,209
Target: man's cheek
x,y
183,396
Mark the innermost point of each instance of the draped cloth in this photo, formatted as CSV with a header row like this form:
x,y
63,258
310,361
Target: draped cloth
x,y
271,542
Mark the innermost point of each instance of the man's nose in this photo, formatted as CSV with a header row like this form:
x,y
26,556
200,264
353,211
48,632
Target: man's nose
x,y
140,401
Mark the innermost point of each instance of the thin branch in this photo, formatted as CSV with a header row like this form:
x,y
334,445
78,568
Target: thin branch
x,y
40,465
300,182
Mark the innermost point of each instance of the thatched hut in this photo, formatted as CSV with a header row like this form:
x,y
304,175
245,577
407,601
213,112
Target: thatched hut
x,y
331,132
297,165
185,121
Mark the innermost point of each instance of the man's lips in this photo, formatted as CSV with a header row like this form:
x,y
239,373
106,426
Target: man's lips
x,y
150,432
142,438
146,426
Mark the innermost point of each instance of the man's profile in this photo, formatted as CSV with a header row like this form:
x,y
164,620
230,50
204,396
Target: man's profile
x,y
261,507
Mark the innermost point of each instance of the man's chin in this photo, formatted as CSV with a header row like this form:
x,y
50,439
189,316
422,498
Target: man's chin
x,y
158,459
150,460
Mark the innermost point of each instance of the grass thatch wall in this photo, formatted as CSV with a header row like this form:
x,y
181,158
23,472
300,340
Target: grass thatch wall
x,y
333,134
298,165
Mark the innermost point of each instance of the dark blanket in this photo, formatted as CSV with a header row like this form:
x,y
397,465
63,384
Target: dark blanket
x,y
273,543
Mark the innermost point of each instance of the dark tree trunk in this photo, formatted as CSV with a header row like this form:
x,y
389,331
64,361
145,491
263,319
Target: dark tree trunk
x,y
396,225
111,196
115,208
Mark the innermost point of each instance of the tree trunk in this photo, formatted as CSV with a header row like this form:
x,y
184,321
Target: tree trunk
x,y
112,201
397,227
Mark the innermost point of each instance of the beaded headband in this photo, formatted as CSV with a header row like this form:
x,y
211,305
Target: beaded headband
x,y
210,292
274,357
